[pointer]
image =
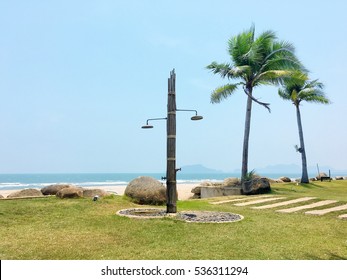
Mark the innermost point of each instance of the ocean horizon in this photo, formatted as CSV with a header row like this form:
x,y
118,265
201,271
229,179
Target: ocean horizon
x,y
22,181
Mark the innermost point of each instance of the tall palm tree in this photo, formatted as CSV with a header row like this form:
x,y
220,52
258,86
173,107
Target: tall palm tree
x,y
254,62
298,90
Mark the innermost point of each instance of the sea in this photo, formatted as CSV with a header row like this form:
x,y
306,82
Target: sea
x,y
23,181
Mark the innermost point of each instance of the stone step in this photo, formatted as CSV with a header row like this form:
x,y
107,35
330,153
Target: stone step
x,y
226,201
302,199
344,216
307,206
258,201
240,199
325,211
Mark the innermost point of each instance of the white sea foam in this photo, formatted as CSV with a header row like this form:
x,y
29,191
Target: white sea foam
x,y
197,181
13,185
106,183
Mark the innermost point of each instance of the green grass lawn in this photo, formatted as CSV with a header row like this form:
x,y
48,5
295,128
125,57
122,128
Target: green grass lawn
x,y
52,228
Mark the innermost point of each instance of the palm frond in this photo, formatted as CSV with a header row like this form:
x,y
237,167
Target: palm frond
x,y
242,71
219,68
280,59
315,84
272,77
240,45
300,88
283,45
313,95
319,99
284,94
226,70
223,92
261,47
258,49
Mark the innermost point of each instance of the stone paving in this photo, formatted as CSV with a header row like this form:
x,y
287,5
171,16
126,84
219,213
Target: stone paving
x,y
302,199
307,206
344,216
258,201
247,201
239,199
325,211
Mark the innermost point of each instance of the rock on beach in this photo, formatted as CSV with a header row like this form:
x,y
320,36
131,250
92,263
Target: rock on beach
x,y
25,193
94,192
53,189
256,186
146,190
70,193
285,179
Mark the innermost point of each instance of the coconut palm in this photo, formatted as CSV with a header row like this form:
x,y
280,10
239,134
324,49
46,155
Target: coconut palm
x,y
254,62
298,90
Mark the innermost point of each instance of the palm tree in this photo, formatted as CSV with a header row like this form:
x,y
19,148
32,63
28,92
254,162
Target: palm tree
x,y
298,90
254,62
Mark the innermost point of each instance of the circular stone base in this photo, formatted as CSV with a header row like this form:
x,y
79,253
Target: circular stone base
x,y
187,216
143,213
208,217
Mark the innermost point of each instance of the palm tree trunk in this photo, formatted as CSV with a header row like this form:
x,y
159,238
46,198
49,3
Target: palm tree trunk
x,y
244,169
304,175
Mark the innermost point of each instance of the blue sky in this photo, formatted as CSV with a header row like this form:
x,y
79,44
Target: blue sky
x,y
78,79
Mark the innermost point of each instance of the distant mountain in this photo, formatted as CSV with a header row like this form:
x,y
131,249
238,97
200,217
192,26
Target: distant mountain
x,y
279,168
296,169
198,168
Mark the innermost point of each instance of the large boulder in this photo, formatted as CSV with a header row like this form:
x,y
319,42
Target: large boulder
x,y
146,190
25,193
70,193
94,192
285,179
256,186
53,189
231,182
196,191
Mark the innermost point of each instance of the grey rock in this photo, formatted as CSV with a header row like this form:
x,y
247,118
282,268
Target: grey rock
x,y
285,179
256,186
53,189
70,193
94,192
25,193
196,190
231,182
146,190
206,184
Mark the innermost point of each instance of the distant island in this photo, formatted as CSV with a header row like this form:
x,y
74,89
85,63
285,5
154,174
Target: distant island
x,y
279,168
270,169
293,168
198,168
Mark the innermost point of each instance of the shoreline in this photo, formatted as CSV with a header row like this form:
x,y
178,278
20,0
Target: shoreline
x,y
183,190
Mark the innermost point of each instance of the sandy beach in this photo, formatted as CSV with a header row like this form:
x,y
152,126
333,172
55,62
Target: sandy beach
x,y
184,190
